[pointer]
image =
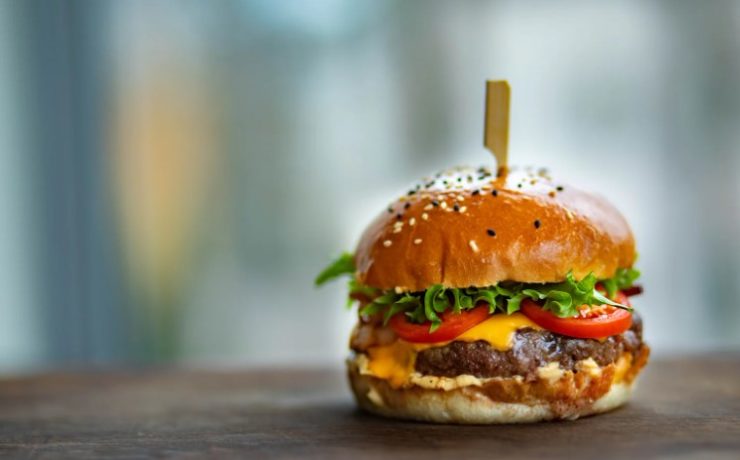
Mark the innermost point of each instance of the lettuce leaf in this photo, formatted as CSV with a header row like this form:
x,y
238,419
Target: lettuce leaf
x,y
624,278
343,265
562,299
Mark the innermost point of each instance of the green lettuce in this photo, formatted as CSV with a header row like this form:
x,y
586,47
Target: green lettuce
x,y
624,278
562,299
343,265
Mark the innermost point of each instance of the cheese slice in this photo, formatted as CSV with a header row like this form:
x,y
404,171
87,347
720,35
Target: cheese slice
x,y
498,330
395,362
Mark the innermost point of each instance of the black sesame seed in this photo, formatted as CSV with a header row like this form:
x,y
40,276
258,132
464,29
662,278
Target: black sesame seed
x,y
494,192
429,184
519,185
470,178
412,192
390,210
491,232
445,182
475,192
407,205
418,186
559,188
456,207
537,223
435,203
399,216
459,179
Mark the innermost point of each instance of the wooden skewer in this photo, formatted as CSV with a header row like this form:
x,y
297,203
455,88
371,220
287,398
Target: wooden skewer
x,y
496,133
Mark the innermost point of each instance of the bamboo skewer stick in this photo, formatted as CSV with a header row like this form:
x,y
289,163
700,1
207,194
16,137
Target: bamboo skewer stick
x,y
496,132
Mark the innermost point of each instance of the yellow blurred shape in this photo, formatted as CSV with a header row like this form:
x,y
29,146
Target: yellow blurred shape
x,y
162,145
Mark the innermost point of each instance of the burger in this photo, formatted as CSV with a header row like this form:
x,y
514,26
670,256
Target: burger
x,y
493,298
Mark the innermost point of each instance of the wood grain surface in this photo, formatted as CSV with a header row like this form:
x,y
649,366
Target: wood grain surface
x,y
683,408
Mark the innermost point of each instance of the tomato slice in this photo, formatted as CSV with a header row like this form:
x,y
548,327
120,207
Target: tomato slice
x,y
601,321
632,291
453,324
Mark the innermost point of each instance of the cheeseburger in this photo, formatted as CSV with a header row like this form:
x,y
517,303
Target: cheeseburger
x,y
493,298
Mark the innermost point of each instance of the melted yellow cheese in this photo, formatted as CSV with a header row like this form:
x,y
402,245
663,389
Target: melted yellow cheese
x,y
623,365
395,362
498,330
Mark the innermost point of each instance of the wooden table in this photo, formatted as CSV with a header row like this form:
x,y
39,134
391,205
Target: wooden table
x,y
684,408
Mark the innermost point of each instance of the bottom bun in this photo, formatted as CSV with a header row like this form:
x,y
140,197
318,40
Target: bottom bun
x,y
500,401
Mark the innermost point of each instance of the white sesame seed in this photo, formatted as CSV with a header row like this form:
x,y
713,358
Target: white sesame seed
x,y
387,243
412,221
428,207
398,289
417,241
473,245
443,205
397,230
463,209
425,216
485,187
460,198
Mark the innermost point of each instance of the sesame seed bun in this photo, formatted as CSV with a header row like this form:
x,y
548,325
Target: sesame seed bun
x,y
467,227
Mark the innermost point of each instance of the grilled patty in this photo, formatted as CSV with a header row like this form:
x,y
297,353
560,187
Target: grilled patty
x,y
531,349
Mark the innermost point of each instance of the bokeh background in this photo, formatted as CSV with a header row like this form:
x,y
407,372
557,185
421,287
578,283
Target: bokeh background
x,y
174,173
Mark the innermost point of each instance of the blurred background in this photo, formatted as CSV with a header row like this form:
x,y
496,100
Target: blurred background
x,y
173,174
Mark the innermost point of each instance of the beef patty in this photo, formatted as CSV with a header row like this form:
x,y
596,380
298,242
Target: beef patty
x,y
531,349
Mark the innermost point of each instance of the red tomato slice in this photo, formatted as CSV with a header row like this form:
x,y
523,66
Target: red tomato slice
x,y
633,290
603,322
452,325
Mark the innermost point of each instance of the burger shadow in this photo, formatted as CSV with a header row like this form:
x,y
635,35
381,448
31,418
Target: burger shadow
x,y
585,437
380,434
338,429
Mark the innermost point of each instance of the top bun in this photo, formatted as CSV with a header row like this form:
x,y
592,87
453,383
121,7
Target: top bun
x,y
466,227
